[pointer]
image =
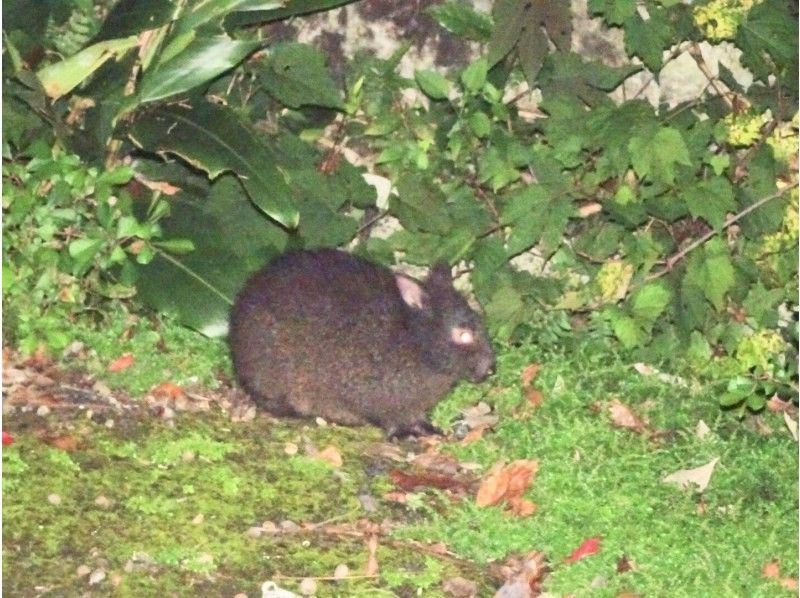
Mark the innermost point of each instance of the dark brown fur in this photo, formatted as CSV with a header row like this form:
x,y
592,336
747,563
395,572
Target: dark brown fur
x,y
325,333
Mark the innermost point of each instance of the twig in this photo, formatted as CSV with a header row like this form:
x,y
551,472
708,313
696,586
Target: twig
x,y
675,258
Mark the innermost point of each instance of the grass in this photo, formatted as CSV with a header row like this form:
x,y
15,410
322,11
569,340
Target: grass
x,y
180,496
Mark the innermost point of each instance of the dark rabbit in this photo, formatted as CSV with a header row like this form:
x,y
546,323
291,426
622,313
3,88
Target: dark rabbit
x,y
325,333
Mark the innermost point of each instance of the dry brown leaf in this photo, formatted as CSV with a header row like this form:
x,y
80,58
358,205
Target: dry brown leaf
x,y
699,476
529,374
458,587
506,482
521,507
371,567
413,481
330,454
791,424
473,436
623,416
535,397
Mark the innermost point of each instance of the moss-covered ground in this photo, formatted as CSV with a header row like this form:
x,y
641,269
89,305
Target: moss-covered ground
x,y
201,505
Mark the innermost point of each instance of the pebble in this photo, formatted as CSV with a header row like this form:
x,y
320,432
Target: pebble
x,y
54,499
308,587
97,576
103,501
341,571
83,571
43,410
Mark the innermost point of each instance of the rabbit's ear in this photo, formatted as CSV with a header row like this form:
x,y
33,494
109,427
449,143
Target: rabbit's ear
x,y
440,275
411,291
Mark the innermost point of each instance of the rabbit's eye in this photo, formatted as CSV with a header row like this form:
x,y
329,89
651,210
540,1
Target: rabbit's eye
x,y
462,336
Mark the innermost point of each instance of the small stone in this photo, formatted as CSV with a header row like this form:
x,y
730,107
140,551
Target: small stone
x,y
101,389
255,532
73,349
288,526
83,570
198,519
109,423
341,571
308,587
269,527
321,422
54,499
291,449
97,576
187,456
43,410
103,501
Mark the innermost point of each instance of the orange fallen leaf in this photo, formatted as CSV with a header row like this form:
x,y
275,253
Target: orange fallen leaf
x,y
771,569
506,482
331,454
168,390
790,583
529,374
589,547
121,363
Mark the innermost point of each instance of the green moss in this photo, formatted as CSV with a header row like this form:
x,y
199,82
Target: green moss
x,y
184,494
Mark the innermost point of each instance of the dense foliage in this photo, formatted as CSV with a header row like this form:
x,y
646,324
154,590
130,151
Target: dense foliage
x,y
672,229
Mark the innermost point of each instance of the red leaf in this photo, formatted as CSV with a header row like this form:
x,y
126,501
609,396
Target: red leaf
x,y
588,548
7,438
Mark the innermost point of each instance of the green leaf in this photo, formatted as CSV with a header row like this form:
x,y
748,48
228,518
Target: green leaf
x,y
536,216
420,206
566,74
433,84
650,301
296,75
462,20
474,76
655,157
710,200
83,252
200,62
648,39
719,273
480,124
625,328
508,25
211,138
768,37
62,77
231,240
615,12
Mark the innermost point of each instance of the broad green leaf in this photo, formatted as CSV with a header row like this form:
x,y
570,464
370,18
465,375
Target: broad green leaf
x,y
648,39
615,12
567,73
656,157
719,273
625,328
433,84
296,75
508,25
62,77
711,200
83,252
202,60
211,138
768,37
474,76
419,206
251,12
231,239
536,216
650,301
505,311
462,20
480,124
212,11
131,17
